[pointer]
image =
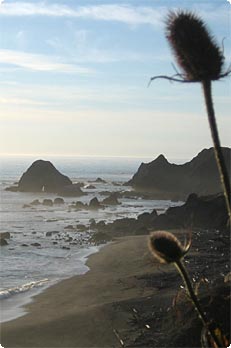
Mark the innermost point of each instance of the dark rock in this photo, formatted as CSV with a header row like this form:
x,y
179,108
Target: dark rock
x,y
69,227
111,200
92,222
66,247
58,200
36,244
12,188
79,184
94,203
203,212
79,205
3,242
71,191
208,212
5,235
100,238
42,176
26,206
89,187
81,227
172,181
147,219
99,180
35,202
99,226
49,234
48,202
24,245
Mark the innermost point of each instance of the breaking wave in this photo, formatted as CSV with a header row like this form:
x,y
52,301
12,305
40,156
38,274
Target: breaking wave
x,y
6,293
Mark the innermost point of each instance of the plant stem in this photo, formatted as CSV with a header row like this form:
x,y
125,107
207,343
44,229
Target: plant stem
x,y
184,274
224,177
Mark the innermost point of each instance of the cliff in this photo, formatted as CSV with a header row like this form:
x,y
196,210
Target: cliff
x,y
200,175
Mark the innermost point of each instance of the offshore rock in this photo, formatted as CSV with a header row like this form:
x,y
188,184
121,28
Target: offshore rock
x,y
111,200
94,203
4,235
59,200
3,242
42,176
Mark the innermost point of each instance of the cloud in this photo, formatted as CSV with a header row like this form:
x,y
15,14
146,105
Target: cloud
x,y
39,62
113,12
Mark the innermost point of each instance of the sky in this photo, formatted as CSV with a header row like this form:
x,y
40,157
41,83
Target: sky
x,y
74,79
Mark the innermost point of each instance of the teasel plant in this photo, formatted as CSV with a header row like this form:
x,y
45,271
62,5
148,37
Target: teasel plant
x,y
200,60
168,249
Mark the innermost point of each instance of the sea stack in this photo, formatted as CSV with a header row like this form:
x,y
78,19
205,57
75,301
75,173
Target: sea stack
x,y
42,176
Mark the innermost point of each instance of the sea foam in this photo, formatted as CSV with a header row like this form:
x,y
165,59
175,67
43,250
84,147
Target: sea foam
x,y
6,293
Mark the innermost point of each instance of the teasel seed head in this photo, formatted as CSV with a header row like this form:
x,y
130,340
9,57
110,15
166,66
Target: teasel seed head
x,y
166,247
195,49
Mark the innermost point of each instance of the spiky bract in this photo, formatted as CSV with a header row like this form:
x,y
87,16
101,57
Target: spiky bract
x,y
166,247
195,49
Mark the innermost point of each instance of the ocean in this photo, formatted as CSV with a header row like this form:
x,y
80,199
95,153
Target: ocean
x,y
42,250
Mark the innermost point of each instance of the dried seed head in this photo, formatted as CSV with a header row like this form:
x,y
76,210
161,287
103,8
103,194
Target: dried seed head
x,y
166,247
195,49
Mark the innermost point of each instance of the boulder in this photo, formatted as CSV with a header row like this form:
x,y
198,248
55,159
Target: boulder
x,y
42,176
35,202
58,200
111,200
94,203
90,187
99,180
47,202
100,238
3,242
81,227
172,181
4,235
79,205
49,234
69,227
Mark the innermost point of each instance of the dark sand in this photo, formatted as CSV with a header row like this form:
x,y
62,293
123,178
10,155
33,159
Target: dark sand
x,y
83,311
87,310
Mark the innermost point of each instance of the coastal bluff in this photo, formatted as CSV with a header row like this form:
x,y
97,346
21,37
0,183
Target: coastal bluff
x,y
172,181
42,176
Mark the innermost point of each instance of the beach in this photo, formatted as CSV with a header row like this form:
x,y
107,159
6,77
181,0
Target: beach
x,y
126,299
81,311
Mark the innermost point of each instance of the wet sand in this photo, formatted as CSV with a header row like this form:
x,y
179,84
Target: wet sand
x,y
84,311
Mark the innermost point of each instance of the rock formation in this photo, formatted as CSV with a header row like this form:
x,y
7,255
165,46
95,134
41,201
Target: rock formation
x,y
111,200
42,176
168,180
208,212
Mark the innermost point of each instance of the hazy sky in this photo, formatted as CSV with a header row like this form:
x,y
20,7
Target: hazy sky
x,y
74,77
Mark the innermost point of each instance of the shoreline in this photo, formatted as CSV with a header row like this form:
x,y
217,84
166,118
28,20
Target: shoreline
x,y
124,290
15,306
80,311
